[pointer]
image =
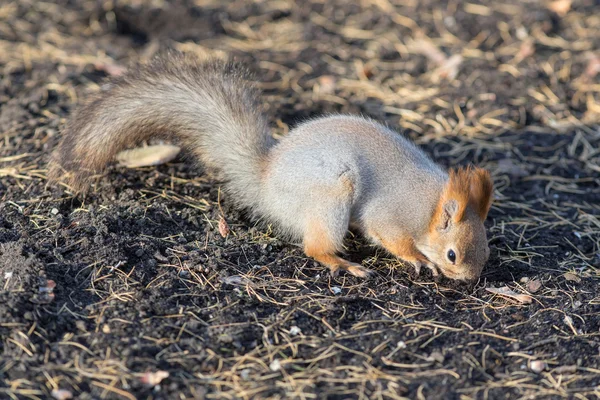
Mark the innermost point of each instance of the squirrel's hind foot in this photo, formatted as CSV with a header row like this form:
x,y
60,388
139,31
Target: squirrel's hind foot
x,y
322,241
337,264
353,269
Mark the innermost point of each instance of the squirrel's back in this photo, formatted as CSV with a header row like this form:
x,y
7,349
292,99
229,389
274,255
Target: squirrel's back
x,y
392,178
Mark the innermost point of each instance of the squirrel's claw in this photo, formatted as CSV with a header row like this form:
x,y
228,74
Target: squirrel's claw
x,y
431,266
417,265
434,270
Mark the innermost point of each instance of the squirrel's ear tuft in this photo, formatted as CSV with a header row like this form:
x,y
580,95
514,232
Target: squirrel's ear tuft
x,y
458,189
466,186
453,201
482,189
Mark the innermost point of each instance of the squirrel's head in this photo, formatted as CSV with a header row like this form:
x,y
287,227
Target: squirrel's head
x,y
456,241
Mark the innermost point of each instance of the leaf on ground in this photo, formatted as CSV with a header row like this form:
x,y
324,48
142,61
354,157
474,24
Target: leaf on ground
x,y
149,155
572,277
110,69
223,227
236,280
534,285
506,292
565,369
62,394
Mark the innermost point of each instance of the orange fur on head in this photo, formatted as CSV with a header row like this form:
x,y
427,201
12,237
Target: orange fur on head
x,y
467,186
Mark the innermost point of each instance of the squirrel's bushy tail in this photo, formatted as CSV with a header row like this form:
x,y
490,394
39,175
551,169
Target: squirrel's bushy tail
x,y
209,107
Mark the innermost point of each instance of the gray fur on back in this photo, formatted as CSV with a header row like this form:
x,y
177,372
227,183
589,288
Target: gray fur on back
x,y
395,183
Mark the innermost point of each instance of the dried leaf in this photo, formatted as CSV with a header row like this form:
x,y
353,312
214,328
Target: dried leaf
x,y
149,155
560,7
436,355
506,292
236,280
110,69
534,285
62,394
223,227
572,277
565,369
154,378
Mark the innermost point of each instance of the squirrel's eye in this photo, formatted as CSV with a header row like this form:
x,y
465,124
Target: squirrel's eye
x,y
451,256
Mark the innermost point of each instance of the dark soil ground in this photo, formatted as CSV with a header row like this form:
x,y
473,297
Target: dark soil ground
x,y
145,284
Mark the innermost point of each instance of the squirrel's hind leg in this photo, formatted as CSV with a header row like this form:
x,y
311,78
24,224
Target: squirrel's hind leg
x,y
323,238
320,247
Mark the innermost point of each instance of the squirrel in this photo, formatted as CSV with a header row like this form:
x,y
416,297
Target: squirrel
x,y
326,175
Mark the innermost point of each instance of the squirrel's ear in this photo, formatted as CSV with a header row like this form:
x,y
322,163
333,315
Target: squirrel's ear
x,y
449,211
482,189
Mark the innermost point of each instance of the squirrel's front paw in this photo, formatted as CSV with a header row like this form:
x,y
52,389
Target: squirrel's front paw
x,y
420,264
433,268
